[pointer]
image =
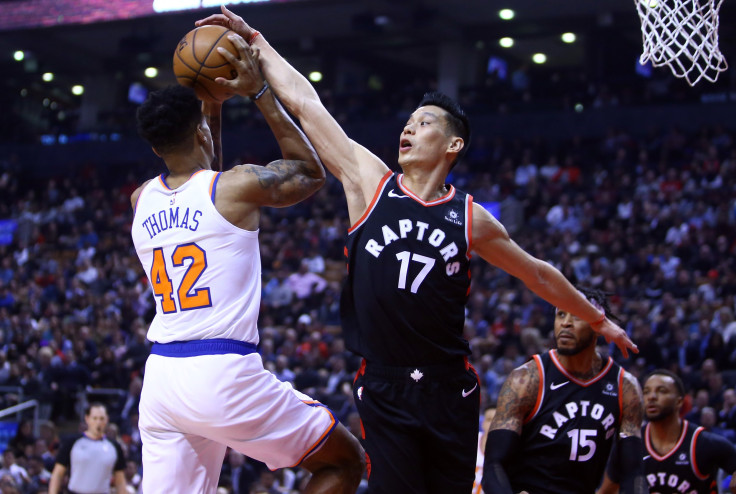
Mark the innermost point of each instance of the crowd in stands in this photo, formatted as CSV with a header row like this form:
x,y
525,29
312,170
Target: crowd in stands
x,y
649,219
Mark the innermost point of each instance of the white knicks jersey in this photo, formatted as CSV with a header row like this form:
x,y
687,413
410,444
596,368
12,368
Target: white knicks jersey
x,y
205,273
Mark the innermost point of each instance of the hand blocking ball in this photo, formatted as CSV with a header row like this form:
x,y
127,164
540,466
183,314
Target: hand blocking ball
x,y
197,62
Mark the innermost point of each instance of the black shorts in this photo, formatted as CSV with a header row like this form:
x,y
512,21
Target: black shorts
x,y
420,427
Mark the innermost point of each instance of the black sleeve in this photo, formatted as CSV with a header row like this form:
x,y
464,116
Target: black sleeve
x,y
713,451
120,460
501,448
63,457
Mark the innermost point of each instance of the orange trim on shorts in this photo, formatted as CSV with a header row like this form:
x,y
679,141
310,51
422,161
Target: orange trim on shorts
x,y
370,207
540,390
318,443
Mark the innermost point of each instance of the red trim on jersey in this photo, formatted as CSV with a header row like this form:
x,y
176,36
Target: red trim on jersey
x,y
540,390
469,224
553,355
694,463
650,447
370,207
621,395
450,194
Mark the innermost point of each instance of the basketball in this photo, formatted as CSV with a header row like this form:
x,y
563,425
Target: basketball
x,y
197,63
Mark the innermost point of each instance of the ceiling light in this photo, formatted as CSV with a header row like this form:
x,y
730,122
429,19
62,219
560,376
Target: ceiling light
x,y
315,76
77,90
19,55
539,58
150,72
48,76
506,42
506,14
569,37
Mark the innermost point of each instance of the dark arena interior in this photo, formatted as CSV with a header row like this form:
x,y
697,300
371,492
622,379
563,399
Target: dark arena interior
x,y
620,175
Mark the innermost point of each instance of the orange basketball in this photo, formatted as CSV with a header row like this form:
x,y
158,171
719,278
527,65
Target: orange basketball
x,y
197,63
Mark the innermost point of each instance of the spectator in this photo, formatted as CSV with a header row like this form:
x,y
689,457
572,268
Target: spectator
x,y
10,467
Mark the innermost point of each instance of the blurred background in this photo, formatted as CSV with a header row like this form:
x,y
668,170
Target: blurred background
x,y
619,174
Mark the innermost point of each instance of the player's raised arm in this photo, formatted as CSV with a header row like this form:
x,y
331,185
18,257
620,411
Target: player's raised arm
x,y
358,169
630,446
516,401
299,173
492,242
212,112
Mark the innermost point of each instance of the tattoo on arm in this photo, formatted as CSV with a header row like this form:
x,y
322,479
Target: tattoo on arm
x,y
633,407
517,398
286,181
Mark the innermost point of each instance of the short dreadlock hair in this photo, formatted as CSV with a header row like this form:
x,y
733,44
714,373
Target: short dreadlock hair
x,y
600,298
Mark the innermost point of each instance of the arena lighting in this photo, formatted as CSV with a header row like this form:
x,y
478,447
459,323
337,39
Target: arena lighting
x,y
77,90
48,76
569,37
506,42
315,76
174,5
18,56
506,14
539,58
150,72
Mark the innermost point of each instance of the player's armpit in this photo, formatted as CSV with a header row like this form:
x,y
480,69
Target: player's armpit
x,y
517,398
633,407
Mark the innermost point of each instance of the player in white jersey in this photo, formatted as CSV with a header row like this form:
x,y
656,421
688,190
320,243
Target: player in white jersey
x,y
196,233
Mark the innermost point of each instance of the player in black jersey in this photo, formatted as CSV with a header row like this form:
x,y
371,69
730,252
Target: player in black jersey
x,y
403,302
559,414
679,457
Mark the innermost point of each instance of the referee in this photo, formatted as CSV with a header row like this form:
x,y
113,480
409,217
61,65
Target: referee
x,y
90,458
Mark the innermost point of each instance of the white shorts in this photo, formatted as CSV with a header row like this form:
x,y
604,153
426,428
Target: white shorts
x,y
192,408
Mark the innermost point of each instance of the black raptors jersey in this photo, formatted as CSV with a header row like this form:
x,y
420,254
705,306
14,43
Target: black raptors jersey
x,y
403,302
568,436
677,472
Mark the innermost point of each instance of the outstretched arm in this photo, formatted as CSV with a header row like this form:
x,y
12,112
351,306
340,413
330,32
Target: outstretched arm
x,y
213,113
282,182
358,169
516,401
492,243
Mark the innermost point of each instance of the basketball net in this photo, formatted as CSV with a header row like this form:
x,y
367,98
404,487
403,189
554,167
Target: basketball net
x,y
682,34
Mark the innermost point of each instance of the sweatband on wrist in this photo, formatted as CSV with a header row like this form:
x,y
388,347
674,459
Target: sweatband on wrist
x,y
261,92
253,37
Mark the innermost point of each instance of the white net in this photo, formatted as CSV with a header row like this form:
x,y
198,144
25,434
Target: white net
x,y
682,34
